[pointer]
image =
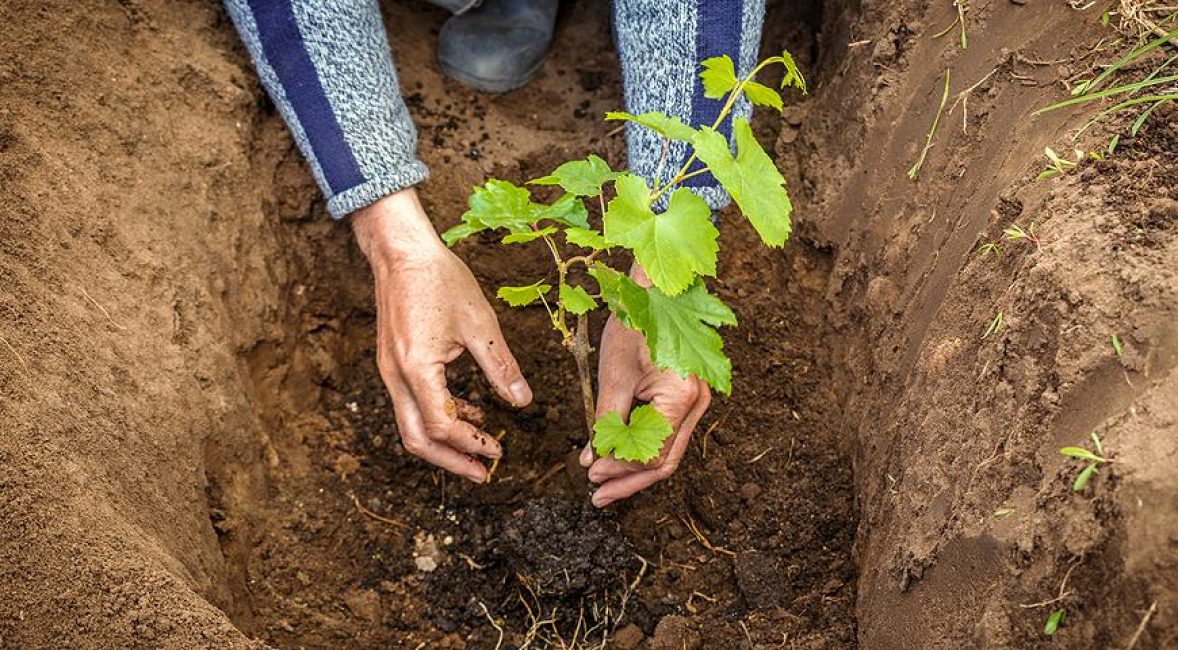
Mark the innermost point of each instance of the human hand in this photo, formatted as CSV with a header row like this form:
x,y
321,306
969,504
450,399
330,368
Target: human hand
x,y
625,372
429,308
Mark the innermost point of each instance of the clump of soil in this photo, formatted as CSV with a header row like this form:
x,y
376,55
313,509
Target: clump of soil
x,y
563,547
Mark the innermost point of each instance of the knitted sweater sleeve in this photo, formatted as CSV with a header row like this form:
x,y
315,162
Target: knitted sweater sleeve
x,y
661,45
326,64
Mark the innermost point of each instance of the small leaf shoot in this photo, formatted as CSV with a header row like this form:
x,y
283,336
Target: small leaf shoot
x,y
1093,459
990,248
525,295
914,171
1054,620
997,324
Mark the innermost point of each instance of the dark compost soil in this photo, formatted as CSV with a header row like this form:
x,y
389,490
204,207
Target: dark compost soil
x,y
196,450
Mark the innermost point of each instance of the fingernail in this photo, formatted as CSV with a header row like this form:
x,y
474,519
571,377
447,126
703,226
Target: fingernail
x,y
601,502
521,393
586,456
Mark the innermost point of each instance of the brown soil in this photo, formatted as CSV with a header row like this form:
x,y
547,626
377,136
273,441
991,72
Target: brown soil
x,y
196,451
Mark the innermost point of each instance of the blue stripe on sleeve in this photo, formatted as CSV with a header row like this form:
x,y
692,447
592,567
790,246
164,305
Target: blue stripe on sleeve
x,y
282,43
717,32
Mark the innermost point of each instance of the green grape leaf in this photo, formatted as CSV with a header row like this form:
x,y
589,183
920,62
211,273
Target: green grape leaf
x,y
609,282
500,204
526,295
763,95
460,232
576,299
751,178
793,76
528,235
680,330
640,440
580,177
661,123
718,76
585,238
568,210
672,247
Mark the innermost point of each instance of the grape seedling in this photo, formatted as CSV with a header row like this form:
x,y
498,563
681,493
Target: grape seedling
x,y
1093,458
667,228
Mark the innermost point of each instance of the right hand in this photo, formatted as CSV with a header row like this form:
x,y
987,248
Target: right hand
x,y
429,308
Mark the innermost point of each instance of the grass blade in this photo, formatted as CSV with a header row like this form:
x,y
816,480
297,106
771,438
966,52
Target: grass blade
x,y
1117,90
1083,477
1129,57
1081,453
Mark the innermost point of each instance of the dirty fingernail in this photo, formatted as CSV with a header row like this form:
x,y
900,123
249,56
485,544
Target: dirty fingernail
x,y
601,502
521,393
586,456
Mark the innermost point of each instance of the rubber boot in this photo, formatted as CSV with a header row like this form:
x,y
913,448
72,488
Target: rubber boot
x,y
499,45
455,6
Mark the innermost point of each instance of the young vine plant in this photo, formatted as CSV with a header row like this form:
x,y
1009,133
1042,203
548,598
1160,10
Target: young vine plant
x,y
669,232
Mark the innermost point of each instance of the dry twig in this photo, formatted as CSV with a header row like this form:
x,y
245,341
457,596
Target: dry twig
x,y
1142,625
380,518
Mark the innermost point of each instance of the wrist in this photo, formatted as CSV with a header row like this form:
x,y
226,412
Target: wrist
x,y
395,229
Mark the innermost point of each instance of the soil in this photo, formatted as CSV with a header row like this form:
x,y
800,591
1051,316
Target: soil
x,y
196,450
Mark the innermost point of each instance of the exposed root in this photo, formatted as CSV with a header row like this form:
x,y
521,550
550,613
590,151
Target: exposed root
x,y
597,617
495,463
495,624
1063,588
1142,625
1136,19
101,309
699,536
381,518
15,354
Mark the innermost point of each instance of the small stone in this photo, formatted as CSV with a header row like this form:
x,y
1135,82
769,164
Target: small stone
x,y
749,492
425,564
628,638
426,555
363,603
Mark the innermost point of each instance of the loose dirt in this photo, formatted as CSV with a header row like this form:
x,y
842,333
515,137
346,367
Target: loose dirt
x,y
196,450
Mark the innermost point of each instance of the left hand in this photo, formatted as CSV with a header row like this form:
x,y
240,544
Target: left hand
x,y
625,372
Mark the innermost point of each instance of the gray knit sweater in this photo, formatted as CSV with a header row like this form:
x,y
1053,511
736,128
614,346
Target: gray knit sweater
x,y
326,64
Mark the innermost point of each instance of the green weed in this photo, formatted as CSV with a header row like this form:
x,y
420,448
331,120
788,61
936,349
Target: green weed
x,y
1094,459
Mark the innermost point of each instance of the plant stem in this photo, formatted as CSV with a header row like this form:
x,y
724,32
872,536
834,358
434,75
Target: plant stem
x,y
577,341
580,348
729,102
